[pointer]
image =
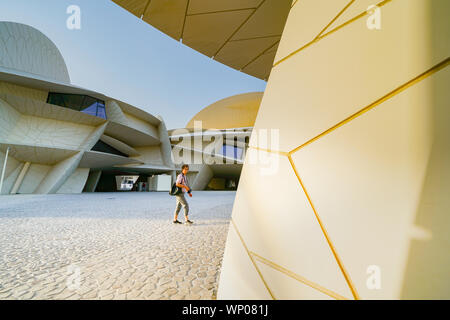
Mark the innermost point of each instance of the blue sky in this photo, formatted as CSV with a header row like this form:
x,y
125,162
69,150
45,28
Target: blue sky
x,y
121,56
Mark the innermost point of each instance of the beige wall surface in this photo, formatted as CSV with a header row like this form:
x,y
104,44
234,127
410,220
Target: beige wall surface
x,y
9,117
13,89
150,155
75,183
33,178
357,208
141,125
49,132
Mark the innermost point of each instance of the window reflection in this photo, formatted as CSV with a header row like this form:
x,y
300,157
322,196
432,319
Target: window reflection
x,y
232,151
78,102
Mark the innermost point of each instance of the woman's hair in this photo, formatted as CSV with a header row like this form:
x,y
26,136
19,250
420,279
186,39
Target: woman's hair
x,y
184,166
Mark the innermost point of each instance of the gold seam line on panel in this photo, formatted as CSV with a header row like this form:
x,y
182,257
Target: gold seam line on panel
x,y
184,21
252,260
328,33
255,38
294,4
260,55
335,18
270,151
371,106
239,28
219,11
145,9
359,16
325,233
299,278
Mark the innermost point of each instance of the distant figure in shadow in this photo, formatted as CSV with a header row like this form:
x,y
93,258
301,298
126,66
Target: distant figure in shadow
x,y
183,184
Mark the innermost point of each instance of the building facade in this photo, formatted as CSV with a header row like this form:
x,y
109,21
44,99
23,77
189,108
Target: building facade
x,y
215,141
58,138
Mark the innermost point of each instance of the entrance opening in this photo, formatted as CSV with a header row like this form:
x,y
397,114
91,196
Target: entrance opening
x,y
126,183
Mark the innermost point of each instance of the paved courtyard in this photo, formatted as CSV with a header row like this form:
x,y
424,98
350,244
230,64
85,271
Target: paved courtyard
x,y
111,246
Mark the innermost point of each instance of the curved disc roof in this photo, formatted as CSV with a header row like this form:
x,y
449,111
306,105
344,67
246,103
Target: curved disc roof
x,y
237,111
242,34
27,50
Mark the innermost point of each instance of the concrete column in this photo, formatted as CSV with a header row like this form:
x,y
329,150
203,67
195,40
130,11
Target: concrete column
x,y
203,178
56,177
19,179
166,147
92,182
3,170
114,113
90,141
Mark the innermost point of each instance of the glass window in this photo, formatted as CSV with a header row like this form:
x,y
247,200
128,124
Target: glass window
x,y
56,100
232,152
92,110
78,102
73,101
101,111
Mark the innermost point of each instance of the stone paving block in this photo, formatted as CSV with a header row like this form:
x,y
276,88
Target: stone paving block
x,y
123,249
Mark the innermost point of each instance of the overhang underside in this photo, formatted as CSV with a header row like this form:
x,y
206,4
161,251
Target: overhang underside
x,y
98,160
226,170
137,170
242,34
45,155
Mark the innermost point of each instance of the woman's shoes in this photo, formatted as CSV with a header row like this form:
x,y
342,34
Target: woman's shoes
x,y
187,222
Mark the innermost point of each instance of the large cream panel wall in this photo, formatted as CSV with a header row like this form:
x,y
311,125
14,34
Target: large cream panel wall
x,y
150,155
357,208
141,125
33,178
9,117
49,132
75,183
16,90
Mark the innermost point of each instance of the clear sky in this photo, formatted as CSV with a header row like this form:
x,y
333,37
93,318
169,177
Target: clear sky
x,y
117,54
